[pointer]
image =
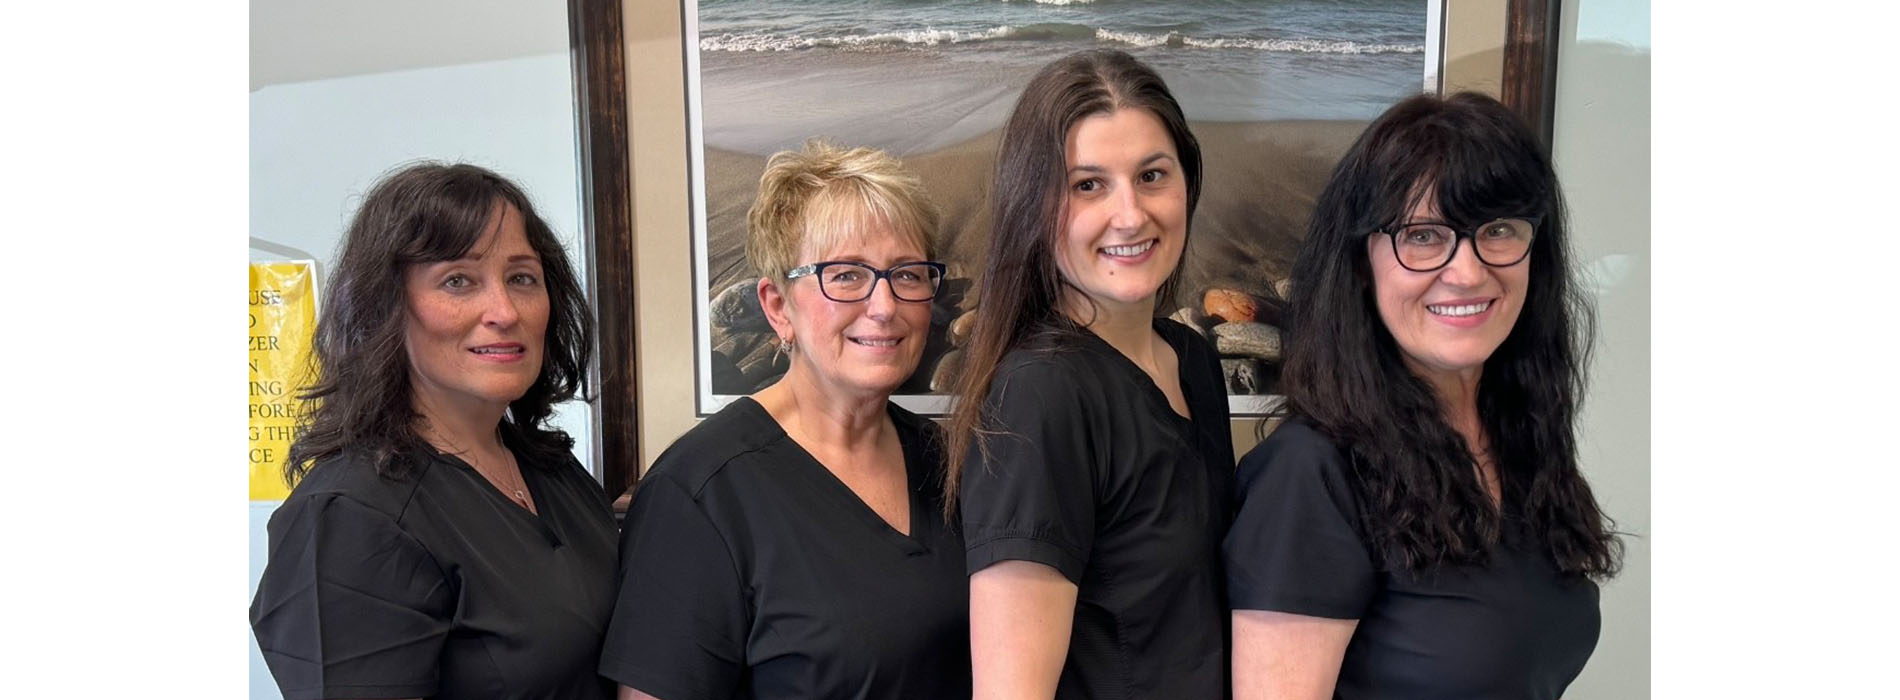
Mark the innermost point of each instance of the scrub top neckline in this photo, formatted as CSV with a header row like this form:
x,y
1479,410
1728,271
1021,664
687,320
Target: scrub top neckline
x,y
821,479
1157,399
529,481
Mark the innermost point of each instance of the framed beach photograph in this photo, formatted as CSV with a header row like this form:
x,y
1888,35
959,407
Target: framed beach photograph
x,y
1274,91
683,101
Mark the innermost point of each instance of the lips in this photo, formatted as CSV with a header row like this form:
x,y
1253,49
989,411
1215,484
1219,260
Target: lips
x,y
1460,309
1130,250
500,351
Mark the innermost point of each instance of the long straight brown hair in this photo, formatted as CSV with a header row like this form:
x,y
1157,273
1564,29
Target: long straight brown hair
x,y
1018,297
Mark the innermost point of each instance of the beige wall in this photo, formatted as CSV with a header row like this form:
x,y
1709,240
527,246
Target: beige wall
x,y
1602,153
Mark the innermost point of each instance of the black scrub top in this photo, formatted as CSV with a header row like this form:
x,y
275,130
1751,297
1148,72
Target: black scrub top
x,y
436,585
749,571
1098,477
1513,629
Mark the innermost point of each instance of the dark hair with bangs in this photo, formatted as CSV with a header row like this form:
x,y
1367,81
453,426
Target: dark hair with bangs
x,y
1424,505
361,397
1021,290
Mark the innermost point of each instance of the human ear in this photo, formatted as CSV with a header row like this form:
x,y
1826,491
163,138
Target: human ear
x,y
778,311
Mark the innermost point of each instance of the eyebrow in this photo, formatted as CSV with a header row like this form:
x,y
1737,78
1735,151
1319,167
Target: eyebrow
x,y
901,259
1145,162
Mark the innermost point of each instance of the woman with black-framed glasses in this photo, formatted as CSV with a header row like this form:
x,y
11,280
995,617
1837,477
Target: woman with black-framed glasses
x,y
1418,527
790,545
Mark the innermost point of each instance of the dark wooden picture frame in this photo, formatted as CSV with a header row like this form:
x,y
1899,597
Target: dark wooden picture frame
x,y
597,44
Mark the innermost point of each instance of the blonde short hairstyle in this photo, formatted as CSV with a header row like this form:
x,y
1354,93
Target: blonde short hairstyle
x,y
826,196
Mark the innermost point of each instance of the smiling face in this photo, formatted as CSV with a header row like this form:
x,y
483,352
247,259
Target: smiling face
x,y
477,325
1448,321
1125,218
864,349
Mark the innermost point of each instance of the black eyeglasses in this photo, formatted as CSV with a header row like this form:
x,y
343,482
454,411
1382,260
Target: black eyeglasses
x,y
1428,245
845,281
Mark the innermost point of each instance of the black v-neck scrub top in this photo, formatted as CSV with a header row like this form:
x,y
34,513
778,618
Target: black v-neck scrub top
x,y
1513,629
749,571
436,585
1096,476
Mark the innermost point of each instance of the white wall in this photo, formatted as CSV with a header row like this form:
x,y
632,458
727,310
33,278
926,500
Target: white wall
x,y
317,146
1602,153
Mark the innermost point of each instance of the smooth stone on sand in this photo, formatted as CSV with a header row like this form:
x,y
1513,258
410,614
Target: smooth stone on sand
x,y
960,328
945,375
1230,305
1283,287
737,309
1248,339
1244,375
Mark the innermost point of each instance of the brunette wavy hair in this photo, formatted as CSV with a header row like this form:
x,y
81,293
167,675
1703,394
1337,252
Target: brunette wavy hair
x,y
361,397
1343,372
1020,294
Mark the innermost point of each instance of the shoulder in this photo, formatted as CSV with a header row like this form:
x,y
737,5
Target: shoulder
x,y
1046,371
707,451
352,476
1296,454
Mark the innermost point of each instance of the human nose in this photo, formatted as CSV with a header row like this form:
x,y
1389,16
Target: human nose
x,y
1464,269
499,307
1127,214
881,304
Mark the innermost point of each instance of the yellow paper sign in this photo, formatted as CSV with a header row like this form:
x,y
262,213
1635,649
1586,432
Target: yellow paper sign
x,y
283,317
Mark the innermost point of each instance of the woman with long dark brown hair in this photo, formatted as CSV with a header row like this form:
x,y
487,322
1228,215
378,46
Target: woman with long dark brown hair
x,y
1090,451
1418,527
440,539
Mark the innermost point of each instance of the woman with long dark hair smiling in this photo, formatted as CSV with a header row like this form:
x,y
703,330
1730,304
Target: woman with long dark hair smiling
x,y
441,540
1090,448
1418,526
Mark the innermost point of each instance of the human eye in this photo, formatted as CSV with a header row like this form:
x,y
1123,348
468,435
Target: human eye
x,y
907,275
525,279
1087,185
1497,231
458,281
1154,175
1423,235
844,274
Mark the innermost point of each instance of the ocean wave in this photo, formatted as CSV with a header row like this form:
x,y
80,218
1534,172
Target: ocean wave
x,y
1059,2
1331,46
779,42
1049,31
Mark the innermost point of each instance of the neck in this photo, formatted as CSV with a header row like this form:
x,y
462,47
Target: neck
x,y
458,430
1129,328
823,414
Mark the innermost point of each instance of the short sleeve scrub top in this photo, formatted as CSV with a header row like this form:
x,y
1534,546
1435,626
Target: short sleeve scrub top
x,y
436,584
1095,475
748,570
1515,628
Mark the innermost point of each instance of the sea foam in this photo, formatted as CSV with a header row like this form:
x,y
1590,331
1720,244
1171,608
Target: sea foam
x,y
1046,32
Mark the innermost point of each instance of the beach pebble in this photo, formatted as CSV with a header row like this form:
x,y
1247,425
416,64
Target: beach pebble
x,y
1249,339
737,310
960,328
943,379
1282,287
1229,305
1244,375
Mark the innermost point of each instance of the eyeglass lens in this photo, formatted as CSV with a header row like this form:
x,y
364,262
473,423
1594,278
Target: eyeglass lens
x,y
853,282
1425,247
